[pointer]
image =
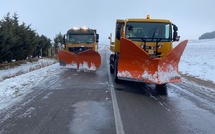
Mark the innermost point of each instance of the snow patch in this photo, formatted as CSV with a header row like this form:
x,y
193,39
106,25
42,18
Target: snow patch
x,y
81,66
85,66
25,68
198,59
73,65
47,96
160,76
124,74
27,113
12,88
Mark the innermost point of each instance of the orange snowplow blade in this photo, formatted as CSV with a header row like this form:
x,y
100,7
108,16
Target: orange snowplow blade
x,y
134,63
86,60
68,59
89,60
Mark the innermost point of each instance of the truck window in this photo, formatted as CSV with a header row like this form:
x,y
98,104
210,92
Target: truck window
x,y
80,38
148,31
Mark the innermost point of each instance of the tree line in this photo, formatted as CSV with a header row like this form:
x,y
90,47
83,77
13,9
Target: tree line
x,y
20,41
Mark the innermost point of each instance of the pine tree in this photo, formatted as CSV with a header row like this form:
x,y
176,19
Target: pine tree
x,y
7,42
58,39
20,41
44,45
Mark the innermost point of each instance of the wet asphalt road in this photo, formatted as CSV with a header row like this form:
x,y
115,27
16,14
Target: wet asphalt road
x,y
73,102
69,102
182,111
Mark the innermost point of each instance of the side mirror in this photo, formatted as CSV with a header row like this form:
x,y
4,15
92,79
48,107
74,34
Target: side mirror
x,y
110,37
118,30
118,26
175,33
175,36
97,37
118,34
64,39
175,28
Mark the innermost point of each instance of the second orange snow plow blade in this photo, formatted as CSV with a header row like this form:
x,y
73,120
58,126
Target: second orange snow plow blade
x,y
86,60
134,63
89,60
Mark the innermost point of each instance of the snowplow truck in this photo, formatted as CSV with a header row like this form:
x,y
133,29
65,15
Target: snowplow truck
x,y
143,51
80,50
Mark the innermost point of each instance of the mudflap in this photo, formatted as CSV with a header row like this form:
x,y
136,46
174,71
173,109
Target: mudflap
x,y
136,64
88,60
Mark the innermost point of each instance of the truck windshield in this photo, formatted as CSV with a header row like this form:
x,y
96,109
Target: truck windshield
x,y
148,31
81,38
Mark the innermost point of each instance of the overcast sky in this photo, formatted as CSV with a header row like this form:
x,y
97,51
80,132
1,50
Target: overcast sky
x,y
49,17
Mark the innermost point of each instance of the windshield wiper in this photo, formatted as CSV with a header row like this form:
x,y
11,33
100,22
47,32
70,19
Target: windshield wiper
x,y
153,36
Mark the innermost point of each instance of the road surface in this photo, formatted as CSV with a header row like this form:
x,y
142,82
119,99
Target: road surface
x,y
76,102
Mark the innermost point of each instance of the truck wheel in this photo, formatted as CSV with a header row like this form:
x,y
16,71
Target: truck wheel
x,y
161,89
116,80
112,63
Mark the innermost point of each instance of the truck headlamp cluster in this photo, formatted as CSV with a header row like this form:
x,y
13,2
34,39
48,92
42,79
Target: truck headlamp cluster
x,y
84,28
81,28
75,28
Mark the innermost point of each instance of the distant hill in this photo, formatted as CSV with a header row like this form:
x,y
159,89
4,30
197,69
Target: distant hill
x,y
207,35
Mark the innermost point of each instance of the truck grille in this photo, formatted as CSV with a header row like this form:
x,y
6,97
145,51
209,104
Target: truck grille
x,y
79,49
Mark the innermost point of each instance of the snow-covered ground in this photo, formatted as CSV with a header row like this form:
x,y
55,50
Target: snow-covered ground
x,y
197,60
17,81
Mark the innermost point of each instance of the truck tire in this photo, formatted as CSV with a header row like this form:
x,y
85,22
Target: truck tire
x,y
111,63
116,80
161,89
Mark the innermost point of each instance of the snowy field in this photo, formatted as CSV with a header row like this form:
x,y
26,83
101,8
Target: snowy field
x,y
197,60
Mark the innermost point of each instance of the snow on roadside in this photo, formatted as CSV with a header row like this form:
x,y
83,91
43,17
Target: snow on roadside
x,y
25,68
33,73
198,60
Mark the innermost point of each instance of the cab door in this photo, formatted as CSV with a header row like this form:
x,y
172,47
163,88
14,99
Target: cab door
x,y
118,34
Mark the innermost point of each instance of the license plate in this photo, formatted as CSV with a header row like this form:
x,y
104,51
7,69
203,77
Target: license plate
x,y
151,51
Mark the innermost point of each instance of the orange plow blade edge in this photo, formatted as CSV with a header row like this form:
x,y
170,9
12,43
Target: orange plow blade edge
x,y
134,63
86,60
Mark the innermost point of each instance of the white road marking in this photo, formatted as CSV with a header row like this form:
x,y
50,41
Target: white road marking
x,y
117,116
